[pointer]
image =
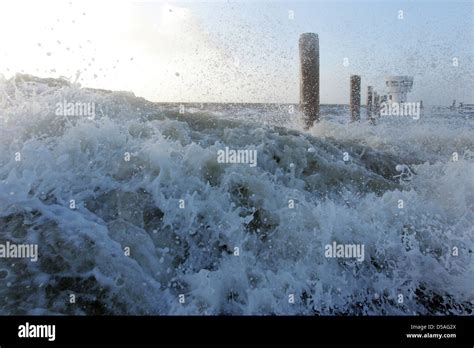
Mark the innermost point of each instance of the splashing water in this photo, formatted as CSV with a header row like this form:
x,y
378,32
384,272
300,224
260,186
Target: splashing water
x,y
224,235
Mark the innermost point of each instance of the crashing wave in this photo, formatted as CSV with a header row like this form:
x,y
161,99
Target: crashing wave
x,y
182,215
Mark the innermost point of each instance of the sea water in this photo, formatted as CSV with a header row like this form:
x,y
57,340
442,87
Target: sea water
x,y
133,213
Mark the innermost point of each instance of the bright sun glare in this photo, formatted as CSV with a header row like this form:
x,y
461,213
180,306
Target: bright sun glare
x,y
122,45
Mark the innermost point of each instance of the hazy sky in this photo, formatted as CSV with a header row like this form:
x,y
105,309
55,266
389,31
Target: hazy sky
x,y
244,51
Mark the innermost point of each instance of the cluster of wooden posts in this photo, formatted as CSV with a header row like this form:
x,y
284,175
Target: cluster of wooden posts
x,y
373,103
309,85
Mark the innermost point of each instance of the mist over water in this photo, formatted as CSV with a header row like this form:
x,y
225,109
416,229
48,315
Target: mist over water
x,y
190,250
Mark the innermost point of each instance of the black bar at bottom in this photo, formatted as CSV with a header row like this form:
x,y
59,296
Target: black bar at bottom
x,y
260,330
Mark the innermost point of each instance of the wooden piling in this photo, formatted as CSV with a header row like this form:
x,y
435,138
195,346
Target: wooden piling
x,y
355,98
309,77
369,104
376,104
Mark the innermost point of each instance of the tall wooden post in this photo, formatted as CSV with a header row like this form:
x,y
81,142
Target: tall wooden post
x,y
370,103
309,77
377,104
355,98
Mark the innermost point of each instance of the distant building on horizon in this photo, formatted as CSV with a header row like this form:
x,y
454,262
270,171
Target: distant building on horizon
x,y
398,88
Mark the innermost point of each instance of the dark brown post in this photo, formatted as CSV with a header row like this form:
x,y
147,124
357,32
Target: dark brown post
x,y
370,103
355,98
309,78
377,104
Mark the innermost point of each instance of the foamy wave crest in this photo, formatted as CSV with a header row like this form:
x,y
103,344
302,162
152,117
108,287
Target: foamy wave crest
x,y
223,235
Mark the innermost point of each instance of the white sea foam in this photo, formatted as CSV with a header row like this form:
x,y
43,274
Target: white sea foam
x,y
190,250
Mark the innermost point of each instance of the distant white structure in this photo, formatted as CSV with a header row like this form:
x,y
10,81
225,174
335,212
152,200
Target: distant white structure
x,y
398,87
